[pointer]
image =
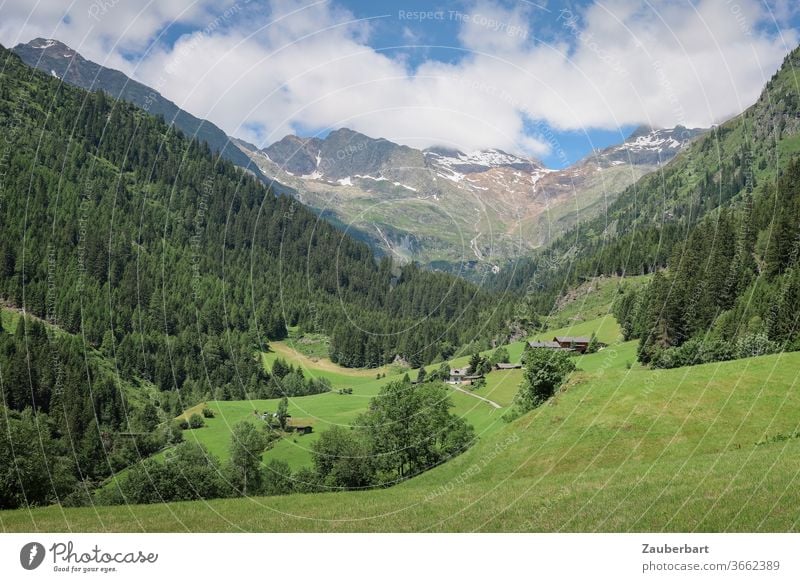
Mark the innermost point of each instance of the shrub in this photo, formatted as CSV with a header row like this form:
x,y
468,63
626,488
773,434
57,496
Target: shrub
x,y
500,356
306,480
593,346
187,472
183,424
545,371
172,431
479,383
693,352
757,344
277,478
207,412
196,421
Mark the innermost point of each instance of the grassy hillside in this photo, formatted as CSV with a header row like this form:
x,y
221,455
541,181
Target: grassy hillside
x,y
588,307
619,449
591,300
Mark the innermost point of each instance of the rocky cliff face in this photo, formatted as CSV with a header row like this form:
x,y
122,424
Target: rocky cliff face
x,y
442,206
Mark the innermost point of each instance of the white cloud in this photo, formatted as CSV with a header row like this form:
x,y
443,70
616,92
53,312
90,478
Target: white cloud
x,y
266,70
100,29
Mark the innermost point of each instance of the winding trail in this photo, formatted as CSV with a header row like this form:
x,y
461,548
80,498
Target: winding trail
x,y
491,403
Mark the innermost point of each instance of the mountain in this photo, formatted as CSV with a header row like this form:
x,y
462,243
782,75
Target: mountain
x,y
719,217
648,146
57,59
466,211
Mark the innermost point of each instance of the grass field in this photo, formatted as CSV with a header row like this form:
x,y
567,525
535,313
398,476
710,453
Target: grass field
x,y
618,450
591,300
9,319
325,410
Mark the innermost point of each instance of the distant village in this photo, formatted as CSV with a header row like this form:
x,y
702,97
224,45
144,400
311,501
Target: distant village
x,y
465,376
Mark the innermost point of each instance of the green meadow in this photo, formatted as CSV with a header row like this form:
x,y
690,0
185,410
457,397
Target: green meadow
x,y
704,448
621,447
321,411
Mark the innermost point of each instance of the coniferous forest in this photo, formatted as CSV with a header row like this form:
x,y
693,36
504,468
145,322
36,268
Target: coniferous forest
x,y
152,273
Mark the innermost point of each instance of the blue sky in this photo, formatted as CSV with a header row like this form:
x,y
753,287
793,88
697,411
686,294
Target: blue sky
x,y
550,80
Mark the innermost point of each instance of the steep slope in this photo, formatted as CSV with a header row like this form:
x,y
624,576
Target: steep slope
x,y
57,59
727,168
451,209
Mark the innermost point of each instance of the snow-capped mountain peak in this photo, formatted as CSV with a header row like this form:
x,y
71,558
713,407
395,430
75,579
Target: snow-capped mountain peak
x,y
477,161
52,45
647,145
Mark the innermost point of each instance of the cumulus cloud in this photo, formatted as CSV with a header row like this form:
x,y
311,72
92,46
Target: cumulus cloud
x,y
262,70
101,30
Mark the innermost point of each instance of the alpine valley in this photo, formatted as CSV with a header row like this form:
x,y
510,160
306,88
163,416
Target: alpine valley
x,y
201,334
453,210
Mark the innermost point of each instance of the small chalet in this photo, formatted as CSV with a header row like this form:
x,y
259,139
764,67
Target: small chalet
x,y
547,345
462,376
567,343
502,366
576,344
300,429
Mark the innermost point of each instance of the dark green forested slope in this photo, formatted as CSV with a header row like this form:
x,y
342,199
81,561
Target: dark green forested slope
x,y
641,229
732,289
174,267
55,58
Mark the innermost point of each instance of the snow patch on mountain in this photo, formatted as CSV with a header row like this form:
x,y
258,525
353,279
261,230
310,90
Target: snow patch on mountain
x,y
453,177
46,44
458,162
404,186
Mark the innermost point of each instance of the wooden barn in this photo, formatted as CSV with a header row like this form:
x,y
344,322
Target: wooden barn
x,y
502,366
577,344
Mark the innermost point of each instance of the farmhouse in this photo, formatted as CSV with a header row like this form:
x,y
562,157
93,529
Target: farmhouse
x,y
547,345
564,342
578,344
300,429
462,376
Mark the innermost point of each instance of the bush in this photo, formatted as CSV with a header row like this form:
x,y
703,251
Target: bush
x,y
207,412
183,424
277,478
757,344
172,432
306,480
188,472
693,352
545,371
479,383
196,421
500,356
593,346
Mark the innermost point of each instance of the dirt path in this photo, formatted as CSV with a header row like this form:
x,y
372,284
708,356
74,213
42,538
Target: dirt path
x,y
491,403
